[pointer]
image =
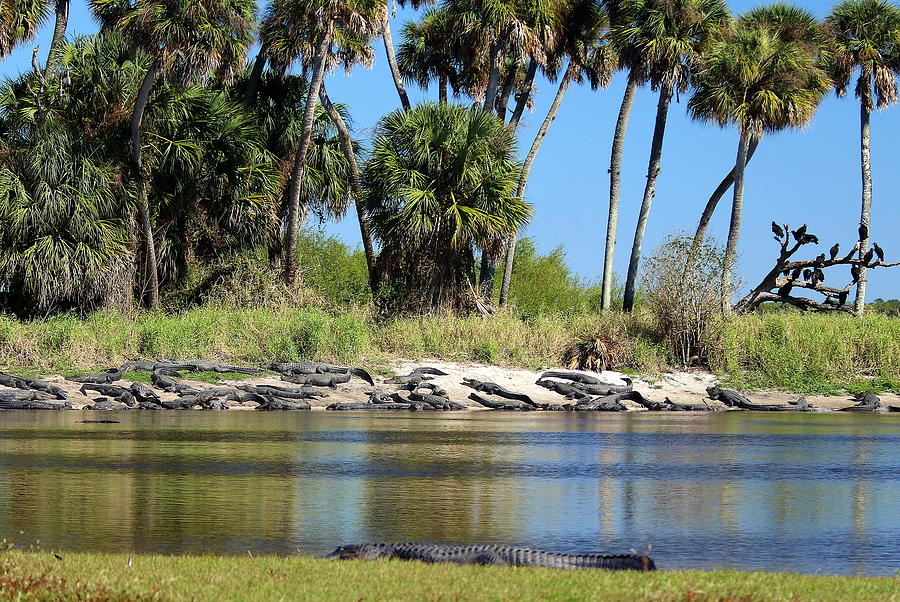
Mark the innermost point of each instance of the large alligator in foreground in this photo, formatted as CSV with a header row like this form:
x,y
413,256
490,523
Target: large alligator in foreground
x,y
492,555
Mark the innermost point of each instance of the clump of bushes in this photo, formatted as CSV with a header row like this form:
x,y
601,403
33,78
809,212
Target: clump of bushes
x,y
683,284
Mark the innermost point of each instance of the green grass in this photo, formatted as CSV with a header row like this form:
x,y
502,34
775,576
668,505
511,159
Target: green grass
x,y
40,576
787,351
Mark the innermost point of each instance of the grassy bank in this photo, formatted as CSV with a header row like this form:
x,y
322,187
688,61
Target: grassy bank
x,y
33,576
788,351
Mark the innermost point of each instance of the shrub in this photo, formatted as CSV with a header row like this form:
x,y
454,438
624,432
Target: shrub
x,y
684,292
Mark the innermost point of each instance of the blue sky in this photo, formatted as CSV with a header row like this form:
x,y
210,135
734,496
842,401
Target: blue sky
x,y
808,176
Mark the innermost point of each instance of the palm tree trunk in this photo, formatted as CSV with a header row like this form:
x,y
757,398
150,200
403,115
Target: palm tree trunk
x,y
615,177
716,196
150,277
255,75
490,92
392,61
526,170
737,208
355,181
509,83
524,95
442,89
859,305
659,132
59,35
297,173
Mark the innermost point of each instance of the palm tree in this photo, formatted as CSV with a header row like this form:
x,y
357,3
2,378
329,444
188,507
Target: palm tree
x,y
185,41
427,52
759,82
319,24
440,182
866,38
590,58
792,25
671,36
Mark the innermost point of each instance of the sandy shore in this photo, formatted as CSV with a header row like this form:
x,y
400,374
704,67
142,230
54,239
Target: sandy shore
x,y
680,387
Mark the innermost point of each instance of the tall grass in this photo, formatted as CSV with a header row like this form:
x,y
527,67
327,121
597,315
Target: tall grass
x,y
786,350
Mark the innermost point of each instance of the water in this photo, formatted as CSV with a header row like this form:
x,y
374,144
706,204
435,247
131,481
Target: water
x,y
807,493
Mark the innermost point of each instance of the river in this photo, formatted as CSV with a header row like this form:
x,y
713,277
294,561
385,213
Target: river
x,y
787,492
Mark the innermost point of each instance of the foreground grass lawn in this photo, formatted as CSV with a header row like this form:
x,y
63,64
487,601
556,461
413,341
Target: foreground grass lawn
x,y
41,576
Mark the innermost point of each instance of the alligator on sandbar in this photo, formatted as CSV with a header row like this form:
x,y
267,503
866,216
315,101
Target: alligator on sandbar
x,y
489,388
734,399
496,555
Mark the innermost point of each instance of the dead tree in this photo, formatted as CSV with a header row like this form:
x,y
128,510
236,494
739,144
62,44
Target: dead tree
x,y
808,274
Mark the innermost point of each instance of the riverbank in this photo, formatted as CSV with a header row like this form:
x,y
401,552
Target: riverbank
x,y
41,576
683,387
791,352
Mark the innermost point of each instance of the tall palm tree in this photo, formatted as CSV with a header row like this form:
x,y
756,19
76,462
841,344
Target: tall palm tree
x,y
319,24
673,36
866,39
440,182
760,83
591,58
185,41
792,25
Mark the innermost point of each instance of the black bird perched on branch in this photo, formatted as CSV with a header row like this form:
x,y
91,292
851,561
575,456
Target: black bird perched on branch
x,y
815,277
834,251
878,251
842,298
867,258
863,232
785,290
854,271
799,233
795,274
820,260
777,230
810,238
806,274
820,275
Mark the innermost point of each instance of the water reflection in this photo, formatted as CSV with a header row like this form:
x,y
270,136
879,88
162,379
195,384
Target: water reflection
x,y
804,493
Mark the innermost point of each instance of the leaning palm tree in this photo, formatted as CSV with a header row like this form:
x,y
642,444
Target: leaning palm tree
x,y
673,36
185,41
866,38
440,183
320,25
592,59
760,83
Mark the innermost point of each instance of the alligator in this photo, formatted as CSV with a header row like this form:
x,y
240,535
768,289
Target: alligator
x,y
606,403
379,397
15,402
110,376
285,392
102,389
280,403
497,555
509,405
577,390
340,406
34,384
556,407
668,405
866,403
327,379
185,402
104,403
313,369
98,421
161,380
578,377
207,395
733,399
430,386
436,401
568,390
26,395
205,366
143,393
495,389
416,376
